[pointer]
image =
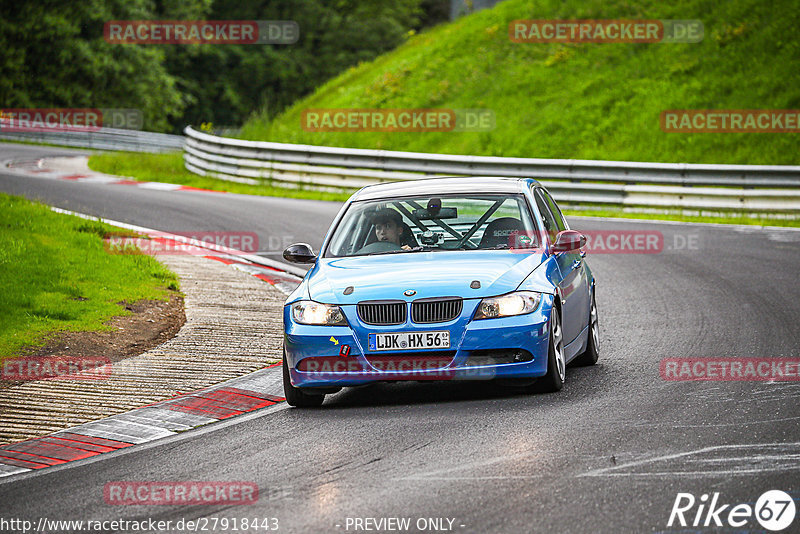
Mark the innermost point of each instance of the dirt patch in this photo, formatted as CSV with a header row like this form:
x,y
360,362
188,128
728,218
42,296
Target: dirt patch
x,y
150,323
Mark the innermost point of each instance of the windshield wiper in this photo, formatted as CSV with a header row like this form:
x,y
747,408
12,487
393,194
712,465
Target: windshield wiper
x,y
398,251
504,246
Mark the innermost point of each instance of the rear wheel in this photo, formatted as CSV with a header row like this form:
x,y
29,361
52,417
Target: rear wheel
x,y
556,362
296,396
591,354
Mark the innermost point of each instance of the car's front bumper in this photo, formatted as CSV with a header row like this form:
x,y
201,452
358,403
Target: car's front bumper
x,y
480,350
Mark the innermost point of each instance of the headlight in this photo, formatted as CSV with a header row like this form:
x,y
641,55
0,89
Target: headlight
x,y
310,312
518,303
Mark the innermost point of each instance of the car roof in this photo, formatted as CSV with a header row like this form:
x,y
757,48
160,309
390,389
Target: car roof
x,y
443,186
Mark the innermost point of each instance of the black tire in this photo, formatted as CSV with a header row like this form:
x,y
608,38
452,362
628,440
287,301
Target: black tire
x,y
296,396
554,379
592,352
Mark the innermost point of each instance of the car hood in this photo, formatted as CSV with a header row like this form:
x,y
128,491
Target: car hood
x,y
430,274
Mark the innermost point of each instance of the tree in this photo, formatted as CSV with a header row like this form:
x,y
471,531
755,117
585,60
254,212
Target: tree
x,y
53,54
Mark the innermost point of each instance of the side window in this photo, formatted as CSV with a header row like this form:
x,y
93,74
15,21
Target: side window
x,y
559,218
550,225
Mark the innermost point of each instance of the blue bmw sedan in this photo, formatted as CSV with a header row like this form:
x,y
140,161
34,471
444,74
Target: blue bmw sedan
x,y
440,279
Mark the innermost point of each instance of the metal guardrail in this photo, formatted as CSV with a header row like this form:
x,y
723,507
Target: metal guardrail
x,y
103,139
749,188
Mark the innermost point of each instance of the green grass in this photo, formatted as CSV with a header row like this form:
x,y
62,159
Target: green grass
x,y
733,218
583,101
168,167
55,275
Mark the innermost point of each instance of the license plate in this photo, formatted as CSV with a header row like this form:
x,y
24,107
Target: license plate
x,y
439,339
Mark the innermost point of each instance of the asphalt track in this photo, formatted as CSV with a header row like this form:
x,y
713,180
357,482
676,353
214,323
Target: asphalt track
x,y
609,453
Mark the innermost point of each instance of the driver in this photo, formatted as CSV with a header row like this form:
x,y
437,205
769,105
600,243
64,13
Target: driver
x,y
389,226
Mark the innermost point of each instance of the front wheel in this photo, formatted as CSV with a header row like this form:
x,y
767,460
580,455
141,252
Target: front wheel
x,y
296,396
556,362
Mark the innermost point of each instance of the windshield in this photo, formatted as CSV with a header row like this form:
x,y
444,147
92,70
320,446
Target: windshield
x,y
416,224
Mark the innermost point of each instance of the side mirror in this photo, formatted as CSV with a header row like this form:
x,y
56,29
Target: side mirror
x,y
299,253
568,240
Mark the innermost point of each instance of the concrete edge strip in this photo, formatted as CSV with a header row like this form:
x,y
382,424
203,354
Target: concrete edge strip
x,y
36,167
163,419
237,396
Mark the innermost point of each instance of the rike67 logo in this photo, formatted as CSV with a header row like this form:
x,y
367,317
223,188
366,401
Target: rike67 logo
x,y
774,511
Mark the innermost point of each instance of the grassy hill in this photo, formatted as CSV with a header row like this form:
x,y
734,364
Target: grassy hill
x,y
585,101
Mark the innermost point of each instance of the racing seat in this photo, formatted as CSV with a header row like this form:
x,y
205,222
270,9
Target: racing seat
x,y
408,237
498,232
